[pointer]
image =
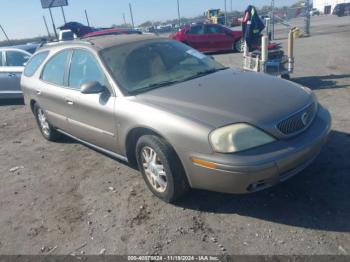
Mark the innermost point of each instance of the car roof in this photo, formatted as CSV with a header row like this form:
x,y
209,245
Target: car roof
x,y
9,48
107,41
110,30
102,42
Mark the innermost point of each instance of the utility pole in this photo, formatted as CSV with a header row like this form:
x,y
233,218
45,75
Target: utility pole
x,y
225,13
2,29
87,18
178,12
47,28
64,16
53,24
307,18
132,17
231,7
273,20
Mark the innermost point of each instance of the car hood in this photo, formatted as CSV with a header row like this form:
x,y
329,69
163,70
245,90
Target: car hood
x,y
231,96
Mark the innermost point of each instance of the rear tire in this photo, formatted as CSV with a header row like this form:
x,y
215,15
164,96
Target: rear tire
x,y
161,168
46,129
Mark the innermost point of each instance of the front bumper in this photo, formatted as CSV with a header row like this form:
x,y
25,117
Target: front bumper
x,y
262,167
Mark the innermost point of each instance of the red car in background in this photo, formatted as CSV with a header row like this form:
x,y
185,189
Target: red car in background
x,y
210,37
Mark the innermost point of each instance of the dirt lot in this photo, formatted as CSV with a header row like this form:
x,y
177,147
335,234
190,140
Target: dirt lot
x,y
66,198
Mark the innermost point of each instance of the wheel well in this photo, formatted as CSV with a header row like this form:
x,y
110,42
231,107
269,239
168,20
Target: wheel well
x,y
32,103
131,141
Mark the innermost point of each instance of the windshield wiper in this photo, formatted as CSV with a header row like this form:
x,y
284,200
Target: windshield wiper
x,y
167,83
153,86
204,73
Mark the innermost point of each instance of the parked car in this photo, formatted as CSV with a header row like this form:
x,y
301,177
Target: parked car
x,y
77,28
29,47
236,21
210,37
342,9
12,61
314,12
184,119
113,31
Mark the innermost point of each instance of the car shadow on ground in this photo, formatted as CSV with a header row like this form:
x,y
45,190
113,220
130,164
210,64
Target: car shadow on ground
x,y
321,82
10,102
317,198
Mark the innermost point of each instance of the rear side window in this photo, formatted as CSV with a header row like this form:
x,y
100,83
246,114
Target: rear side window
x,y
196,30
84,68
34,63
1,64
212,29
15,58
54,70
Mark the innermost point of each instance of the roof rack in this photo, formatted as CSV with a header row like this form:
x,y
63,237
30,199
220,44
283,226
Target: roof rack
x,y
57,42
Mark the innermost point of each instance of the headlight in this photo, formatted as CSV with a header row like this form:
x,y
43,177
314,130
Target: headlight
x,y
238,137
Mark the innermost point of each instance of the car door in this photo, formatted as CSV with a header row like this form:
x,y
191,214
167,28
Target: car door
x,y
52,91
11,69
195,37
90,116
217,38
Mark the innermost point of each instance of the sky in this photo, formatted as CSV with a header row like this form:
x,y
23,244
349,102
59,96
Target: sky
x,y
24,18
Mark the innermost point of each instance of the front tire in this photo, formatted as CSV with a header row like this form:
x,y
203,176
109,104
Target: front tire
x,y
161,168
238,46
46,129
285,76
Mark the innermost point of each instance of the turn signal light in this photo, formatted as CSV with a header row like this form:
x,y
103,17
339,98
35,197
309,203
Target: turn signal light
x,y
204,163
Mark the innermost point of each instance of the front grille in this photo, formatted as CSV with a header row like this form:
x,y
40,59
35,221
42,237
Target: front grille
x,y
299,121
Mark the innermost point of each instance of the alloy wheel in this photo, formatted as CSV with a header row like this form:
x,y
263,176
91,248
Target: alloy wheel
x,y
44,125
154,169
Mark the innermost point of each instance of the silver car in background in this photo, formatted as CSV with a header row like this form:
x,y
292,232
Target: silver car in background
x,y
12,62
184,119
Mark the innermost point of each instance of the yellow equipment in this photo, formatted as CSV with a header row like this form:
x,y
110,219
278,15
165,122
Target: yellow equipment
x,y
215,16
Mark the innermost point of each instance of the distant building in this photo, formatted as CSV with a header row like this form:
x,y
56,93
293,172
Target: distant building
x,y
327,6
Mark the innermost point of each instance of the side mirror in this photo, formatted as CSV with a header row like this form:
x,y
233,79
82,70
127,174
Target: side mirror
x,y
92,87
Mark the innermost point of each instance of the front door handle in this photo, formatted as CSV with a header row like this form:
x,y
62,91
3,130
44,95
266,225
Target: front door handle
x,y
12,74
38,92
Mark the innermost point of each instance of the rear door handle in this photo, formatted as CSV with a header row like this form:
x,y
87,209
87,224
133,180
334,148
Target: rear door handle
x,y
69,101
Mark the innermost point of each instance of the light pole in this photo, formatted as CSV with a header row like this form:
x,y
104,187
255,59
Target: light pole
x,y
47,28
132,17
64,16
87,18
178,12
124,19
3,30
53,24
225,13
307,18
272,19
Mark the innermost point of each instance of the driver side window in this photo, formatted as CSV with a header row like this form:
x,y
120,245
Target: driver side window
x,y
84,68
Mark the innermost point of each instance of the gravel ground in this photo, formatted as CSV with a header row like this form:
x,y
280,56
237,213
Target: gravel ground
x,y
65,198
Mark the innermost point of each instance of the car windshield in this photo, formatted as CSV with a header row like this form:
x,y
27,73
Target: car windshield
x,y
142,66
